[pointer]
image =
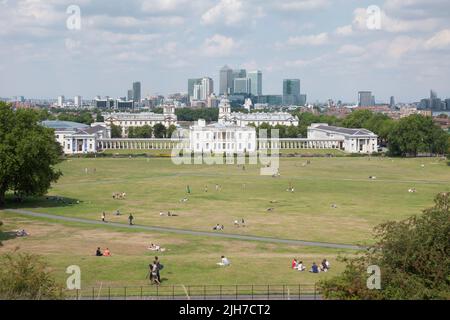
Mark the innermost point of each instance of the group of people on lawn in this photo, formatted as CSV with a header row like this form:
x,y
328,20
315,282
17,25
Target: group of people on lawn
x,y
322,267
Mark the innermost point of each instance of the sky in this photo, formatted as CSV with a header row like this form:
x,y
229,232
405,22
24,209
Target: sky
x,y
336,47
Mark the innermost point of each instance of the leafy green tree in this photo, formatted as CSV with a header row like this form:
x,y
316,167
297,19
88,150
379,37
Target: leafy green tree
x,y
25,276
159,130
28,153
417,134
413,256
357,119
99,117
131,133
172,128
116,131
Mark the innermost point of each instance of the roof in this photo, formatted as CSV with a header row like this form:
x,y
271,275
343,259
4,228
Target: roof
x,y
63,125
346,131
263,116
90,130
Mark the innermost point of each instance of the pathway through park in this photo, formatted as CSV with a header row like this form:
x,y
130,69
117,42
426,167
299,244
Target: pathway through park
x,y
188,232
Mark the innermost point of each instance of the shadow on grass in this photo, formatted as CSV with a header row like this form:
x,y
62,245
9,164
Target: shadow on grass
x,y
7,235
40,202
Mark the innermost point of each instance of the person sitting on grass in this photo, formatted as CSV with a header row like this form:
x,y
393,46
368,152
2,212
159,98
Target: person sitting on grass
x,y
294,264
314,268
300,266
107,253
99,253
224,262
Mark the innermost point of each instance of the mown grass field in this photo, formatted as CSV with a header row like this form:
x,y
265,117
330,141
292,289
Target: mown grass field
x,y
156,184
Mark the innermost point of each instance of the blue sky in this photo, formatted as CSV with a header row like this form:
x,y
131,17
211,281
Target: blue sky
x,y
162,43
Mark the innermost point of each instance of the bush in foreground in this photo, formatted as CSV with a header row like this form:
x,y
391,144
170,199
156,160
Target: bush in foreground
x,y
413,256
25,276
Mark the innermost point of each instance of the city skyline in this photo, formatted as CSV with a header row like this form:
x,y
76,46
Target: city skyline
x,y
164,43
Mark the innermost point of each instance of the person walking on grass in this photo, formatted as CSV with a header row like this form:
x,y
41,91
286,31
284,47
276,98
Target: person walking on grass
x,y
103,216
130,219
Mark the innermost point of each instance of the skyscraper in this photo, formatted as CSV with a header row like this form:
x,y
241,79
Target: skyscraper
x,y
255,82
130,95
191,83
291,91
61,101
137,92
77,101
242,85
392,102
365,99
207,88
226,80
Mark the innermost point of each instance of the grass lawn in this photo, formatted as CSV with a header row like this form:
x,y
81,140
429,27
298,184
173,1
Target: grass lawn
x,y
187,261
156,184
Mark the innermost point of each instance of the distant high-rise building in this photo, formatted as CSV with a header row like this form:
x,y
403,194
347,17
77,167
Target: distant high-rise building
x,y
196,95
207,88
137,92
226,81
191,83
61,101
447,104
255,82
392,102
77,101
291,91
302,100
130,95
237,74
365,99
242,85
433,95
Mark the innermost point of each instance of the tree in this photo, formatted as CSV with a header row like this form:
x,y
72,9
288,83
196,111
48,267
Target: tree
x,y
417,134
28,153
413,256
357,119
25,276
172,128
116,131
159,130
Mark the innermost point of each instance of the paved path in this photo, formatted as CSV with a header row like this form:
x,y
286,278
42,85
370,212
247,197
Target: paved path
x,y
188,232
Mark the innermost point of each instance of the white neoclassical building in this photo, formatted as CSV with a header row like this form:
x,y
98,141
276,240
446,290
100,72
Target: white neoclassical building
x,y
256,118
222,137
126,120
351,140
78,138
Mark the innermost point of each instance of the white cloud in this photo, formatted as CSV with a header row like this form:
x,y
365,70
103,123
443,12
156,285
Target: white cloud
x,y
219,46
229,12
310,40
350,49
344,31
440,40
302,5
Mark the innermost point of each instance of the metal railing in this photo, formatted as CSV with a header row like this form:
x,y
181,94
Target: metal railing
x,y
198,292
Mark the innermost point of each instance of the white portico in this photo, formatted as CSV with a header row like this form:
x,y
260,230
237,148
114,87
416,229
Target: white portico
x,y
352,140
222,137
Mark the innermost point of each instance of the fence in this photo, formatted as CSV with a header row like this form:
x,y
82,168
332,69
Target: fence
x,y
198,292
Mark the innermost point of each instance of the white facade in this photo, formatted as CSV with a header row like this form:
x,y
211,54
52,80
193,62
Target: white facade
x,y
222,137
257,118
352,140
128,120
77,101
78,138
